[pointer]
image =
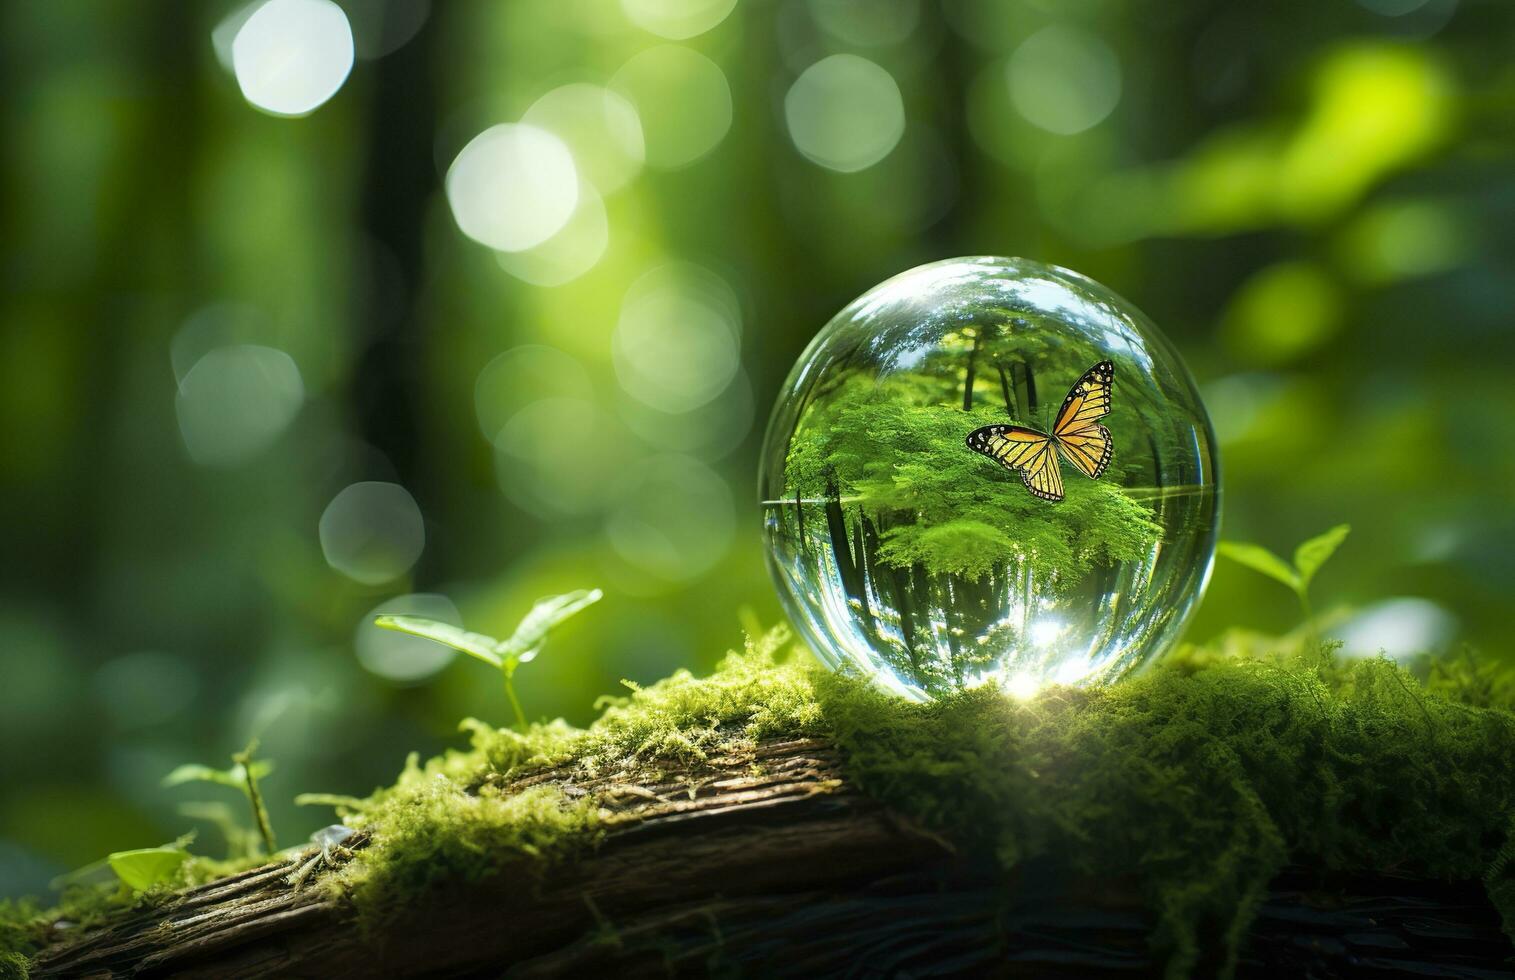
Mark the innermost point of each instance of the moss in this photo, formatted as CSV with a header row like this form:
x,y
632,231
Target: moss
x,y
449,819
1199,778
13,966
26,926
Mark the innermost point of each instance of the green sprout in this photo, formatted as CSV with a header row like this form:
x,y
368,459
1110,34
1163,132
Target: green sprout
x,y
145,867
1308,558
504,655
243,775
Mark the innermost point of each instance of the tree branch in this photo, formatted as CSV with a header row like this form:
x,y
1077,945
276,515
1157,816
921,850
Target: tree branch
x,y
768,862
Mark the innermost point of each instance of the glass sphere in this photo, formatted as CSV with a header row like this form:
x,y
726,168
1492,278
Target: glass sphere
x,y
989,470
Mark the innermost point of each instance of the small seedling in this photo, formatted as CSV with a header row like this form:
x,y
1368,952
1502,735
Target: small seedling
x,y
144,867
504,655
1308,558
243,775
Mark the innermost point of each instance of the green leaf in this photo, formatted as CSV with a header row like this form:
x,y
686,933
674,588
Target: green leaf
x,y
528,638
235,777
1260,559
474,644
1309,556
148,866
214,811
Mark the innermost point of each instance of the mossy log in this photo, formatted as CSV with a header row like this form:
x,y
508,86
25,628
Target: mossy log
x,y
767,861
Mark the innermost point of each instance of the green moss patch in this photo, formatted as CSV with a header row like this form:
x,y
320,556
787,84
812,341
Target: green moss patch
x,y
1200,778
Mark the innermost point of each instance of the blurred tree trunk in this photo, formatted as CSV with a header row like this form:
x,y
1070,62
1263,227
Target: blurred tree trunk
x,y
388,383
775,866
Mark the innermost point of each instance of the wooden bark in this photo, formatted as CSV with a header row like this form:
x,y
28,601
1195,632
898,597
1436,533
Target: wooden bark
x,y
767,863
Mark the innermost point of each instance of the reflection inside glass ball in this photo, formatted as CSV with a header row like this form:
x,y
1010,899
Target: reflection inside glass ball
x,y
988,469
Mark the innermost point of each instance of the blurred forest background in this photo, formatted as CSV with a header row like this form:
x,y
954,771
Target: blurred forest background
x,y
309,310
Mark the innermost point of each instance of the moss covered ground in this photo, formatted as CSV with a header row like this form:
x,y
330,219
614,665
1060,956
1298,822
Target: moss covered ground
x,y
1199,778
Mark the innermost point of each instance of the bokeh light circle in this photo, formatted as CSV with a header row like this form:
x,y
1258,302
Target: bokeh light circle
x,y
867,23
235,401
683,100
845,113
677,343
290,56
600,128
372,532
512,187
677,20
567,255
674,518
523,375
541,460
1064,80
396,656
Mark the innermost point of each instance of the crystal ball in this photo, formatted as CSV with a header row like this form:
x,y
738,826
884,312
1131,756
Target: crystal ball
x,y
988,470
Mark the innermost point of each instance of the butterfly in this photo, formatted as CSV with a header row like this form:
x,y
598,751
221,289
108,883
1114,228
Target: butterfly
x,y
1076,434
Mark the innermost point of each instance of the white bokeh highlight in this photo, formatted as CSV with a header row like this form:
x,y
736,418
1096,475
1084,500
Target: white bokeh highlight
x,y
291,56
601,129
513,187
1401,627
572,251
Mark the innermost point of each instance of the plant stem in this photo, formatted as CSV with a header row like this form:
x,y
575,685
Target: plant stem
x,y
260,813
1310,630
510,692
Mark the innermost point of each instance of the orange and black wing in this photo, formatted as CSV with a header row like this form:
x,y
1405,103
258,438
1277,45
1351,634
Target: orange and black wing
x,y
1018,448
1079,436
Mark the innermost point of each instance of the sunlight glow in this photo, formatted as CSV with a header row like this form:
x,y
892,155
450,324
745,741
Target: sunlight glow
x,y
1022,686
1046,631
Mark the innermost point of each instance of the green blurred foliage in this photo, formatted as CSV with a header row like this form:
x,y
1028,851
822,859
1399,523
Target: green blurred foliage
x,y
213,320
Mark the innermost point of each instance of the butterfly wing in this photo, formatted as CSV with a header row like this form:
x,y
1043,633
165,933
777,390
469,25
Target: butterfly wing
x,y
1079,436
1018,448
